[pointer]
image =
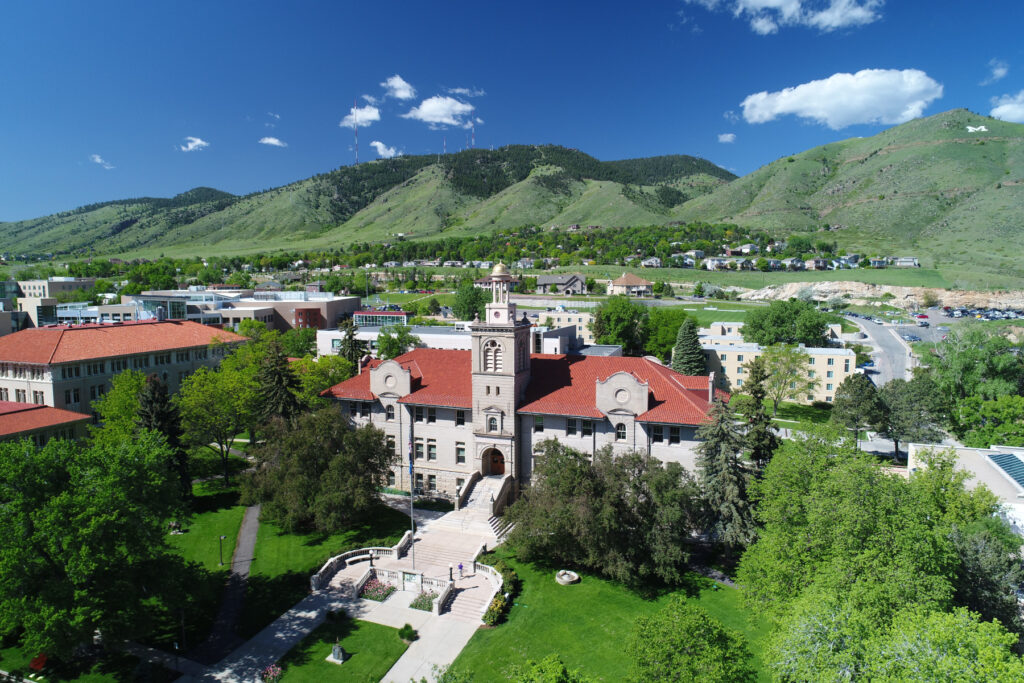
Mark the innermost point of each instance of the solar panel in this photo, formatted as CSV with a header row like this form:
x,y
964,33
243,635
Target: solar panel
x,y
1010,464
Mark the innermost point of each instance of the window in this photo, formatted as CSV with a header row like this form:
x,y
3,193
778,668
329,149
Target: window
x,y
811,360
828,374
828,399
739,358
657,434
673,434
810,373
828,387
419,481
739,370
19,395
620,432
846,365
391,443
67,396
417,414
352,409
831,361
570,427
739,383
497,391
538,423
364,409
724,358
418,449
181,356
391,478
431,449
37,397
810,397
460,418
432,482
5,395
92,393
587,427
431,414
492,356
76,396
459,483
460,453
389,413
492,424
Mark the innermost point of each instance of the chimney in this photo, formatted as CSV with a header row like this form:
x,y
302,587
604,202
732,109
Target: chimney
x,y
711,387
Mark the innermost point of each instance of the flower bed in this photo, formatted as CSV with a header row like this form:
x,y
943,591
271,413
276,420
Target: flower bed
x,y
377,590
424,601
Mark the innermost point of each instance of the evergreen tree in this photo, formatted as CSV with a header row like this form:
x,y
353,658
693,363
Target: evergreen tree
x,y
761,440
277,385
723,480
352,349
687,354
157,413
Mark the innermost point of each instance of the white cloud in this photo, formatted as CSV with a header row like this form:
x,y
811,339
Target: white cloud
x,y
193,144
441,111
383,151
273,142
730,116
397,87
885,96
97,159
766,16
727,137
1008,107
997,70
363,116
467,92
273,115
370,99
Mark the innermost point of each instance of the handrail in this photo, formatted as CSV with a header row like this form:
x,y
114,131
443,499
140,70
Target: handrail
x,y
500,500
467,488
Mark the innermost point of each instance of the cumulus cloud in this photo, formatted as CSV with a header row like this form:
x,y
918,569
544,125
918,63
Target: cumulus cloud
x,y
193,144
727,137
441,111
1008,107
887,96
383,151
997,70
363,116
467,92
273,142
767,16
97,159
397,87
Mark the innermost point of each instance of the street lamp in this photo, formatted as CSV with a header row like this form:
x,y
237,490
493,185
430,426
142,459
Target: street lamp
x,y
222,550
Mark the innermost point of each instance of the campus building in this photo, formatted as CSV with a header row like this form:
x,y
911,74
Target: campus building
x,y
70,366
40,423
463,414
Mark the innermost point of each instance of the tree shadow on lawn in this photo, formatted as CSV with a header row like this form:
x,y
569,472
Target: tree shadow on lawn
x,y
196,601
267,598
334,629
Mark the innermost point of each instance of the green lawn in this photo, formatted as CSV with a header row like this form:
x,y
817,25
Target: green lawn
x,y
445,299
217,514
283,564
587,625
373,650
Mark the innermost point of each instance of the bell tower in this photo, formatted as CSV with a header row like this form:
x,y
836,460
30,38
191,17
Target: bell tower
x,y
501,371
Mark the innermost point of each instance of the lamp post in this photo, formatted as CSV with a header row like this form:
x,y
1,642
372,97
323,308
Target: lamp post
x,y
451,569
222,550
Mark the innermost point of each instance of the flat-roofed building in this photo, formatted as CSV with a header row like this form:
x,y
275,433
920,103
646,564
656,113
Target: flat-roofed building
x,y
830,366
55,285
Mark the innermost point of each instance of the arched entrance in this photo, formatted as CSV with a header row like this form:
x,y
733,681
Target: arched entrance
x,y
493,462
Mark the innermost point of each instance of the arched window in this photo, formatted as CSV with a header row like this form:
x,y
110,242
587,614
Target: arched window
x,y
389,413
620,432
492,424
492,356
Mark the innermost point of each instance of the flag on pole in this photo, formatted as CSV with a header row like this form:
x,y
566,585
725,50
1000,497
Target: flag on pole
x,y
410,457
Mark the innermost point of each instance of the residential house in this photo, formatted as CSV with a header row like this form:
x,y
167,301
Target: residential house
x,y
652,262
793,264
631,285
816,264
906,262
561,284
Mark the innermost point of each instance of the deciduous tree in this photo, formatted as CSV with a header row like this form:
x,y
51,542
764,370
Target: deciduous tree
x,y
914,411
788,376
215,405
621,321
395,340
786,322
857,404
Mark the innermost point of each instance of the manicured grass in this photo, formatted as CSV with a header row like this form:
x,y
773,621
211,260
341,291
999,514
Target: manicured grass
x,y
217,514
443,298
587,625
283,564
801,413
373,650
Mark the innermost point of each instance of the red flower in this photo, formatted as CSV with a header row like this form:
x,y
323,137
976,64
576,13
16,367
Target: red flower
x,y
38,662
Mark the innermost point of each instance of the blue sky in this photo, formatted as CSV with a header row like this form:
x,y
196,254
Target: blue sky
x,y
107,100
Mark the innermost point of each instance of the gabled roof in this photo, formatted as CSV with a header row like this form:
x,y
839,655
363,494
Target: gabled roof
x,y
557,279
45,345
630,280
440,377
16,418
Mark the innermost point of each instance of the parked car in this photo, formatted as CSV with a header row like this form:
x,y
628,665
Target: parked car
x,y
922,323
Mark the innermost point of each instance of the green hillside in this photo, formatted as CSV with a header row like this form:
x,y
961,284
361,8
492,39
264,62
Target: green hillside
x,y
420,196
927,188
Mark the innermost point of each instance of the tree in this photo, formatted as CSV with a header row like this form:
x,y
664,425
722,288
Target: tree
x,y
976,362
433,306
277,385
760,438
352,349
723,481
914,411
698,289
682,642
318,473
215,405
990,571
687,354
857,404
253,329
548,670
395,340
317,375
157,413
983,423
621,321
786,322
118,409
84,531
469,302
787,374
300,342
662,328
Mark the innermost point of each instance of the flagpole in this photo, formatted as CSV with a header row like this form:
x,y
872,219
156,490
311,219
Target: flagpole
x,y
412,496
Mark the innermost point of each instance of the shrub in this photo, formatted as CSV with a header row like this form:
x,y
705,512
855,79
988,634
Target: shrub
x,y
377,590
511,583
495,613
408,633
424,601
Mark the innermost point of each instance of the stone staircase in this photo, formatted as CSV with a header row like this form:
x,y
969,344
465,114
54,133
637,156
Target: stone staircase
x,y
475,516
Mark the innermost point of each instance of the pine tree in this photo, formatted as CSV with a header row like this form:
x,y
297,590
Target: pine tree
x,y
277,385
157,413
351,348
761,440
687,354
723,480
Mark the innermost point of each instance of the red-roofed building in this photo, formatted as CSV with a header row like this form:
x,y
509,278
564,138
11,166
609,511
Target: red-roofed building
x,y
466,414
39,423
70,366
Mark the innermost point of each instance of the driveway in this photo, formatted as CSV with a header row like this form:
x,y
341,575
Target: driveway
x,y
891,354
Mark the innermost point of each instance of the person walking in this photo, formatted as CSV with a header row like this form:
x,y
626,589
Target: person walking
x,y
460,570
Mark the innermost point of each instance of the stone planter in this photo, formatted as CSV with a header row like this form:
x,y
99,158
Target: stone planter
x,y
566,577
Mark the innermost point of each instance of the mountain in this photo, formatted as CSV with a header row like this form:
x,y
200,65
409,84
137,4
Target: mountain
x,y
464,193
931,188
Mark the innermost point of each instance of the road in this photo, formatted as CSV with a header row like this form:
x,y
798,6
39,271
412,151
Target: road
x,y
891,354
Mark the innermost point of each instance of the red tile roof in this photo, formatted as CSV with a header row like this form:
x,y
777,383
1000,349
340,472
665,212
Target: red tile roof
x,y
631,280
16,418
559,385
62,344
